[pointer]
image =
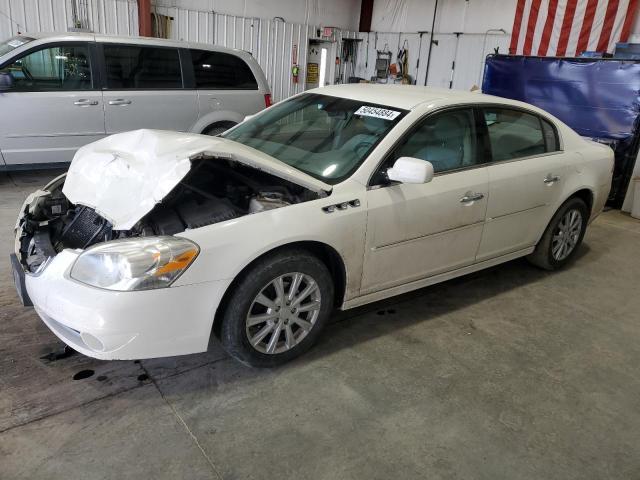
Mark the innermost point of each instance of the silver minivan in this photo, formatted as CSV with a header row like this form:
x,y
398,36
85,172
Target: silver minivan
x,y
59,92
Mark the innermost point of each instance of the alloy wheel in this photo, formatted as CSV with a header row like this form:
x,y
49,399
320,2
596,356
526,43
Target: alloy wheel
x,y
566,235
283,313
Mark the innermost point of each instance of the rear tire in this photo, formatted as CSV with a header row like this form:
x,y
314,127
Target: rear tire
x,y
563,236
277,309
218,128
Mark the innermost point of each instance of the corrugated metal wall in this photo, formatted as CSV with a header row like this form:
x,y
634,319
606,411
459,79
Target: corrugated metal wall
x,y
270,41
105,16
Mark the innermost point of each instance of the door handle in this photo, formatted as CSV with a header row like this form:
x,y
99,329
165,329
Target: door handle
x,y
551,179
119,101
470,197
83,102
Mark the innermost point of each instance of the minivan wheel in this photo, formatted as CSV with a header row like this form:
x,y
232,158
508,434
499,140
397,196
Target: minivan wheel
x,y
562,237
218,128
278,309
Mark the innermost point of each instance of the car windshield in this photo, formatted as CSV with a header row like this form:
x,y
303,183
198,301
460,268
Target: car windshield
x,y
13,43
326,137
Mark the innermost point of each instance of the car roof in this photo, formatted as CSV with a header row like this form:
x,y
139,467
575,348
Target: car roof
x,y
407,97
101,37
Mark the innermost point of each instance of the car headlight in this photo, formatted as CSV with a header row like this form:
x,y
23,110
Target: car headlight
x,y
134,264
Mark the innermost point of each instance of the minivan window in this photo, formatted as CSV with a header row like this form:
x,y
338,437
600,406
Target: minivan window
x,y
513,133
217,70
62,67
143,68
13,43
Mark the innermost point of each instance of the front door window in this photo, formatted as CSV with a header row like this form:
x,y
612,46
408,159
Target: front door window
x,y
58,68
447,140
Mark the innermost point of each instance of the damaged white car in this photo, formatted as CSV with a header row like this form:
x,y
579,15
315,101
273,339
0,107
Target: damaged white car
x,y
341,196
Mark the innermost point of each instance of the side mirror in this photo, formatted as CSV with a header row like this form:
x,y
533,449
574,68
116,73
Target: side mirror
x,y
6,81
411,170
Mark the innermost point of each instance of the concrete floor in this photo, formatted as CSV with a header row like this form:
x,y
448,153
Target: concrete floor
x,y
509,373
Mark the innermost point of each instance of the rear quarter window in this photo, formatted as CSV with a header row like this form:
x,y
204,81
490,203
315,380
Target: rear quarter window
x,y
550,136
218,70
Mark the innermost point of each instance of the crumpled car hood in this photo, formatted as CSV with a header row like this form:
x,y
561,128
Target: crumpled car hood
x,y
125,175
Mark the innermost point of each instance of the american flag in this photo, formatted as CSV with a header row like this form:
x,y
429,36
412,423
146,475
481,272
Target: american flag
x,y
566,28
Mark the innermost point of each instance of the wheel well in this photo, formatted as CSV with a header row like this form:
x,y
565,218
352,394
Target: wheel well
x,y
586,196
223,123
328,255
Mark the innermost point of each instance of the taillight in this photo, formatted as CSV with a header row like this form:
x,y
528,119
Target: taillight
x,y
267,100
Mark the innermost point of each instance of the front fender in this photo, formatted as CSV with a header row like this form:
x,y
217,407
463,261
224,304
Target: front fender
x,y
226,248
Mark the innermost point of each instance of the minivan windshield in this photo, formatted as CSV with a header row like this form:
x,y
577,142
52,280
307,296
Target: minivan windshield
x,y
12,43
326,137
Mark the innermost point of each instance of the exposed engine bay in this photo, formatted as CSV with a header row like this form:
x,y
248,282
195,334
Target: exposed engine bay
x,y
212,192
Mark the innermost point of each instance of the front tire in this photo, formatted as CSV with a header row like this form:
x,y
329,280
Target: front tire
x,y
277,309
563,236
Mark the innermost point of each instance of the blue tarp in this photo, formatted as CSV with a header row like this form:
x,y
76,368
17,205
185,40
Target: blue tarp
x,y
598,98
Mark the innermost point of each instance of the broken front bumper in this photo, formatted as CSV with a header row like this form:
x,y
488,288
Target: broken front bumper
x,y
19,280
113,325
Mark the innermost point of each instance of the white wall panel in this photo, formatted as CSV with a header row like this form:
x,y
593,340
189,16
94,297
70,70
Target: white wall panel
x,y
104,16
442,57
32,15
469,56
460,29
472,52
117,17
343,14
452,16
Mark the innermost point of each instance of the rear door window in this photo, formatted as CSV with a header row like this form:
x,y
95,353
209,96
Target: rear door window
x,y
142,68
514,134
217,70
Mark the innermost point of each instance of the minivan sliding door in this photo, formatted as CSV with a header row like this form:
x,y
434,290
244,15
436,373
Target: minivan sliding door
x,y
144,89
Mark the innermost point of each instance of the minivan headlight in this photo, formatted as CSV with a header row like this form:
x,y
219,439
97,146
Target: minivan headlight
x,y
134,264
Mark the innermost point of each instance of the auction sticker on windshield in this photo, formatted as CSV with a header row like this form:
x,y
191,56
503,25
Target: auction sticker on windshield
x,y
377,112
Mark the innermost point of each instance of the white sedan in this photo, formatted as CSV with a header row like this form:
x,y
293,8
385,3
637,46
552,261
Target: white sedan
x,y
337,197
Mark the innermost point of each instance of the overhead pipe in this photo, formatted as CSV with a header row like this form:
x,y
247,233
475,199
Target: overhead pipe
x,y
431,42
144,18
484,46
